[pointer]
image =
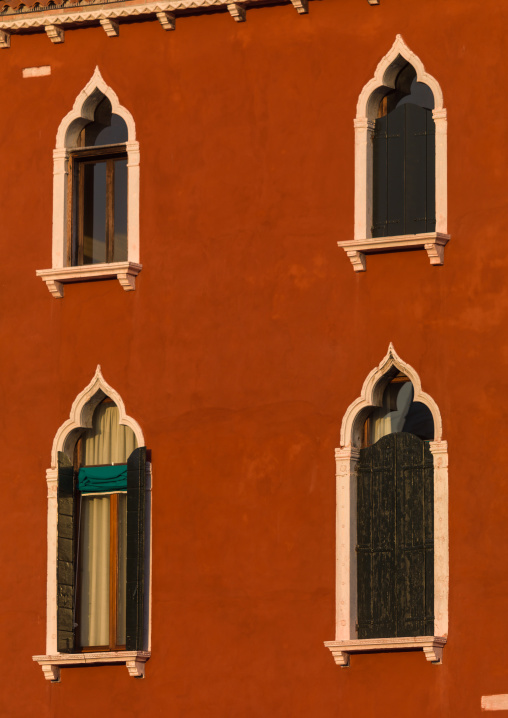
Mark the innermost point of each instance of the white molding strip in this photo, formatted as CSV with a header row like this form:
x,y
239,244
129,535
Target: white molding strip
x,y
433,243
432,647
495,703
69,17
134,661
125,272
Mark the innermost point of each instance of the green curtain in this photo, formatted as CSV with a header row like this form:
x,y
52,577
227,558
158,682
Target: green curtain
x,y
102,478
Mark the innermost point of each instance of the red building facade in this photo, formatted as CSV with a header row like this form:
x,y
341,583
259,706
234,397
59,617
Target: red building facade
x,y
234,336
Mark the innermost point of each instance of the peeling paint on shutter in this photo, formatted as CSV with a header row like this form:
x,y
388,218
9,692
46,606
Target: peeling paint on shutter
x,y
66,561
395,551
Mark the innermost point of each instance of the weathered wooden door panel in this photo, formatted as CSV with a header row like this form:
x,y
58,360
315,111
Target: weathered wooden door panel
x,y
395,538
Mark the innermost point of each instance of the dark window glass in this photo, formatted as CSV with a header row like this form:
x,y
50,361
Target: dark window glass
x,y
94,212
97,230
120,211
106,128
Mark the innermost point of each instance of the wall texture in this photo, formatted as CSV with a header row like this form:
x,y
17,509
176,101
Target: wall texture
x,y
245,341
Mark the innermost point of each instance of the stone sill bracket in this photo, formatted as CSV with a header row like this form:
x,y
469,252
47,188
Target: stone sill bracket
x,y
125,272
433,243
134,661
432,647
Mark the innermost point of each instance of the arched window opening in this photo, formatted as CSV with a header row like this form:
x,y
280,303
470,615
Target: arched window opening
x,y
395,518
404,174
399,413
100,528
97,231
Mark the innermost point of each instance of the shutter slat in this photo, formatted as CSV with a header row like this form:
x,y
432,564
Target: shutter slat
x,y
415,169
380,169
431,173
395,175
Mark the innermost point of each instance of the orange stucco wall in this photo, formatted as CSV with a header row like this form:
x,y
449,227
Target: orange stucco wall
x,y
245,341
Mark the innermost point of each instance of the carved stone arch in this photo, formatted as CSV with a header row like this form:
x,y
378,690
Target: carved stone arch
x,y
81,415
84,109
346,458
368,102
372,396
385,75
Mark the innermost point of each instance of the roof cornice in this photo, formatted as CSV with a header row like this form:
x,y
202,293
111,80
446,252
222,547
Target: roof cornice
x,y
54,20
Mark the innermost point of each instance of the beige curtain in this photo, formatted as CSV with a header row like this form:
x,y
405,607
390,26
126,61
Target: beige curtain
x,y
108,442
122,569
385,421
94,574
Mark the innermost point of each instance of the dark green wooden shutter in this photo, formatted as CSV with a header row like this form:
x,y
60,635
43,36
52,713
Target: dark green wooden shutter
x,y
404,172
375,535
380,179
136,472
66,560
395,551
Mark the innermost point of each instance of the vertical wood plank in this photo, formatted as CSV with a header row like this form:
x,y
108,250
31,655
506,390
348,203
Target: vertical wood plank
x,y
66,559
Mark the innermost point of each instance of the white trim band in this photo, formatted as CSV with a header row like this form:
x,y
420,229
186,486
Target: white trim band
x,y
432,647
433,243
134,662
125,272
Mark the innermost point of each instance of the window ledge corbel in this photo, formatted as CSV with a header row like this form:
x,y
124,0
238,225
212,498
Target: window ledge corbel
x,y
433,242
125,272
134,661
432,647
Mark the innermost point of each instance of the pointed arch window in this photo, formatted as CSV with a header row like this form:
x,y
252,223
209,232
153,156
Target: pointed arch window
x,y
95,193
400,162
100,546
392,519
98,538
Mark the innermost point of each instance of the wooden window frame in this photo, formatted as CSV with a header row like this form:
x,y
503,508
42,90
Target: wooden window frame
x,y
113,580
75,198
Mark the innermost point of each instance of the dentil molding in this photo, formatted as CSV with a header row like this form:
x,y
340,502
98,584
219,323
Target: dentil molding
x,y
53,22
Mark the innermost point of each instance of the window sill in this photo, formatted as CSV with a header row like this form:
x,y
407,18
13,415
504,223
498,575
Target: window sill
x,y
433,242
125,272
432,647
134,661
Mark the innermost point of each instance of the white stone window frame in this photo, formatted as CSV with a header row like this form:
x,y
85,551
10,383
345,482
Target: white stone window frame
x,y
65,439
383,81
81,114
347,456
